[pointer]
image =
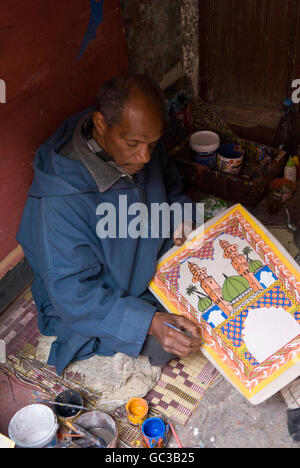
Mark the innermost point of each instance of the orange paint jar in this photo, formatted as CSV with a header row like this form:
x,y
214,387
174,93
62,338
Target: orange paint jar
x,y
137,411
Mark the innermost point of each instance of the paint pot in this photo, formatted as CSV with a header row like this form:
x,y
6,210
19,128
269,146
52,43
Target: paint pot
x,y
204,145
230,158
281,190
34,426
154,433
100,425
64,413
137,410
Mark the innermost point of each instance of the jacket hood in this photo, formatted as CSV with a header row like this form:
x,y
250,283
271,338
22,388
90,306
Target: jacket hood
x,y
56,175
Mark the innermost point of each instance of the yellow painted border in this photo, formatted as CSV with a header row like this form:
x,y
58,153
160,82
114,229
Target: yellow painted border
x,y
237,382
165,300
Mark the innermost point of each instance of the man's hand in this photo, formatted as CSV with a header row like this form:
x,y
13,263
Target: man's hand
x,y
182,232
174,341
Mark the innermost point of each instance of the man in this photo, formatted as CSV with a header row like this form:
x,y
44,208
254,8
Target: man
x,y
91,292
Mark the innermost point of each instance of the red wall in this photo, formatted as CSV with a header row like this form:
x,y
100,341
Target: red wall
x,y
39,43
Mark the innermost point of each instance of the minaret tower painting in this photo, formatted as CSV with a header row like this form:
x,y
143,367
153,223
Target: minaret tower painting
x,y
240,264
210,286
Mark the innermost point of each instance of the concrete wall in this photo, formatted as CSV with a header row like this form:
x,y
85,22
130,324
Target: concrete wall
x,y
153,34
163,39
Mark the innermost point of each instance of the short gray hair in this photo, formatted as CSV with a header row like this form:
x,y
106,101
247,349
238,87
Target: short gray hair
x,y
114,94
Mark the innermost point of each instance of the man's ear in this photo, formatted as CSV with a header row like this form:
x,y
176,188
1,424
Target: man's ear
x,y
99,122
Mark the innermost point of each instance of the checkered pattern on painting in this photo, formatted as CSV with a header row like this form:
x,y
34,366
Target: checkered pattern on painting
x,y
206,252
251,359
173,276
233,329
275,297
234,231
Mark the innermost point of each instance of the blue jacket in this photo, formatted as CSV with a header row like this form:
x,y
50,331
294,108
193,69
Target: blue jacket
x,y
91,293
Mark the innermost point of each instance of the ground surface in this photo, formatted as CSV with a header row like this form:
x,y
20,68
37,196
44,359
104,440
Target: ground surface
x,y
224,419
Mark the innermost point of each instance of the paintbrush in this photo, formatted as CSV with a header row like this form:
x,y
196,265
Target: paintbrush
x,y
67,405
80,430
185,332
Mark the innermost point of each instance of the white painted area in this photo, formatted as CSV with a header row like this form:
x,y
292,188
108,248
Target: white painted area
x,y
267,330
267,279
216,318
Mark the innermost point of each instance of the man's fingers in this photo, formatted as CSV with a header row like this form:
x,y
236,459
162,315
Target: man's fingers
x,y
182,322
179,240
175,340
182,232
178,343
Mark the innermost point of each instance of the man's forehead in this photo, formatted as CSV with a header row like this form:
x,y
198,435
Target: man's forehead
x,y
140,134
140,124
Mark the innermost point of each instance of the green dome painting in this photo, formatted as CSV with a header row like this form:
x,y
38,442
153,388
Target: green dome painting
x,y
255,265
233,287
204,304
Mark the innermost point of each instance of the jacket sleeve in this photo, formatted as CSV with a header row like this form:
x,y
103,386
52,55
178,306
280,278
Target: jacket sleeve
x,y
79,290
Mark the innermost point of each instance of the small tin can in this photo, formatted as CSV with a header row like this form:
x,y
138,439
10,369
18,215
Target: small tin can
x,y
64,413
102,426
137,411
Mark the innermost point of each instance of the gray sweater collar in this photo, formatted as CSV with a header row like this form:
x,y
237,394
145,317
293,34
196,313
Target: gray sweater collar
x,y
105,173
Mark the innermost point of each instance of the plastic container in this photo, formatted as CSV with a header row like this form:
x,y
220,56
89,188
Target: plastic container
x,y
230,158
281,190
290,171
34,426
154,433
204,145
137,410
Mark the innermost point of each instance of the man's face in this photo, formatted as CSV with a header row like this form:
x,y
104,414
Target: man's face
x,y
131,141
